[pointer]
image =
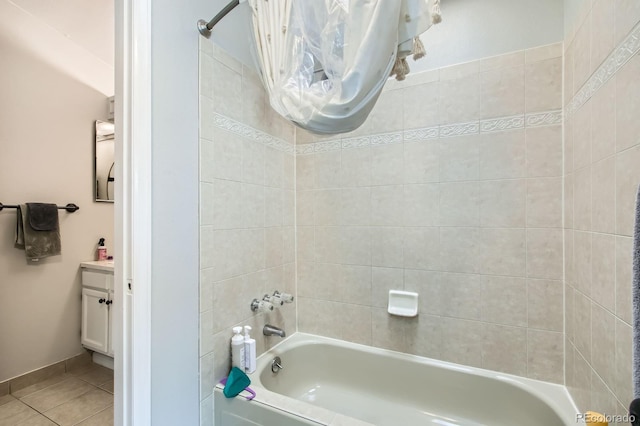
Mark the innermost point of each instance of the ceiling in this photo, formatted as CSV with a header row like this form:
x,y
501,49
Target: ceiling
x,y
76,36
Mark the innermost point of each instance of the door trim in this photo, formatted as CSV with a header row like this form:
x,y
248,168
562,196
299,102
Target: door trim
x,y
132,333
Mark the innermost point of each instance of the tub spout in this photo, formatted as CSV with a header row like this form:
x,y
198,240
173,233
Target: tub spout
x,y
270,330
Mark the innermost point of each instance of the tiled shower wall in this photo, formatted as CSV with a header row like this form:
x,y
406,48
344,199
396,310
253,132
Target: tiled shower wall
x,y
247,244
602,173
453,189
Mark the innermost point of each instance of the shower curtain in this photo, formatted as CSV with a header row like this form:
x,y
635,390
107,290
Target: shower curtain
x,y
325,62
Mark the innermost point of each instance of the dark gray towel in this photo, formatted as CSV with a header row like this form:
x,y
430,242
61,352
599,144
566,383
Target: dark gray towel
x,y
636,301
42,216
38,230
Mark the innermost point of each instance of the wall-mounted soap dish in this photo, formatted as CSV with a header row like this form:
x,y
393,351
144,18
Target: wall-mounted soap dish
x,y
403,303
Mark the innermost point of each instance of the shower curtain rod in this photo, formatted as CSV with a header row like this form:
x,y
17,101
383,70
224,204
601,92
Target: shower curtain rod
x,y
205,27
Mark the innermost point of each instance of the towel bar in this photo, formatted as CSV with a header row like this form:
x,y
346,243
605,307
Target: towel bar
x,y
69,207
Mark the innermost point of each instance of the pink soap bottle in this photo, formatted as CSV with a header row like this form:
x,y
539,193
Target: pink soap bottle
x,y
102,250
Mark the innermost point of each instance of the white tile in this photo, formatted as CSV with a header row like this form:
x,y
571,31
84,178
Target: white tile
x,y
503,300
459,204
387,205
503,155
543,85
421,162
387,246
273,200
503,203
387,164
459,158
544,253
544,203
355,206
327,169
502,252
253,154
421,205
228,206
459,249
421,248
356,167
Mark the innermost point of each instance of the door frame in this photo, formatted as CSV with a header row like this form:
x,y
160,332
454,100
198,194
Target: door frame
x,y
132,292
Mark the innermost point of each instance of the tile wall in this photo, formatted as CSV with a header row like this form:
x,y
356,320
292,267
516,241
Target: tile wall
x,y
246,213
457,187
453,189
602,154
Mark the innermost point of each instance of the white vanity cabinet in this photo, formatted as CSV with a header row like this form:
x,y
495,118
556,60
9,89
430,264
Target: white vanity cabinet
x,y
97,301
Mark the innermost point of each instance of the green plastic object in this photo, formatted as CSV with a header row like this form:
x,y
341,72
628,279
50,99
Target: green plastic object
x,y
236,382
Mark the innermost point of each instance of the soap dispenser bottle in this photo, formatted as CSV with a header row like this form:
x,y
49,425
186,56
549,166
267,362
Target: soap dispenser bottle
x,y
249,351
102,250
237,349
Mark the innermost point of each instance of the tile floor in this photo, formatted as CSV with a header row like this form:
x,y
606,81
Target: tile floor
x,y
83,397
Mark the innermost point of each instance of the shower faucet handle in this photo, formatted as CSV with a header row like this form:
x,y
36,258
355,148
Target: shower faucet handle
x,y
261,306
275,301
284,297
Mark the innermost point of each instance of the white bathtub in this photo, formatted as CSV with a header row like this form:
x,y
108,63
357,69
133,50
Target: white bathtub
x,y
332,382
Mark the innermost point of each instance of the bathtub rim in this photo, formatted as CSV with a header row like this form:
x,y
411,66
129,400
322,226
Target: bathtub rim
x,y
556,396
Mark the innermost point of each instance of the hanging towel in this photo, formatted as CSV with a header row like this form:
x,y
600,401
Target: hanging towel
x,y
38,230
636,300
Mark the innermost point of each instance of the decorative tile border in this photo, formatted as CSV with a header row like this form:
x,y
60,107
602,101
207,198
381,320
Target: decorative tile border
x,y
386,138
459,129
249,132
416,135
548,118
629,47
616,60
500,124
350,143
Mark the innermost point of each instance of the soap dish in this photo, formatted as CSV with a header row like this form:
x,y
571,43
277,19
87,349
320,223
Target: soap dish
x,y
403,303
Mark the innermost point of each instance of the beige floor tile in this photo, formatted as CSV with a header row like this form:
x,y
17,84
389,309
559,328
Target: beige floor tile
x,y
98,376
80,369
79,362
80,408
6,399
38,420
103,418
36,376
107,386
41,385
57,394
14,412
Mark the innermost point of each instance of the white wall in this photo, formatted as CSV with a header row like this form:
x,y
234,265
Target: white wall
x,y
75,37
476,29
174,300
470,30
46,154
571,10
233,33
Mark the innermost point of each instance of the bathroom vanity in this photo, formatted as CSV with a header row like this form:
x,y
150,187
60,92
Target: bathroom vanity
x,y
97,318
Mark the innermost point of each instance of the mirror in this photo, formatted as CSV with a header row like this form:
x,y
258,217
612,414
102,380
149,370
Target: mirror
x,y
104,161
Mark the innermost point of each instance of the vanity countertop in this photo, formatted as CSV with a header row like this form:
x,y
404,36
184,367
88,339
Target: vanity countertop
x,y
101,265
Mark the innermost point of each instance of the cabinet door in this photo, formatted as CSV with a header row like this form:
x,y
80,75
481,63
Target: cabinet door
x,y
95,320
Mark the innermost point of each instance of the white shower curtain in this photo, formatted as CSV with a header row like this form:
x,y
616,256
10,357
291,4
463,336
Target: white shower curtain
x,y
324,62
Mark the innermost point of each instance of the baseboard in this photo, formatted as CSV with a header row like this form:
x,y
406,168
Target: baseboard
x,y
103,360
65,366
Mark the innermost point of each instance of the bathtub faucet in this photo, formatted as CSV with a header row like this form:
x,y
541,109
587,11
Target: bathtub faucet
x,y
270,330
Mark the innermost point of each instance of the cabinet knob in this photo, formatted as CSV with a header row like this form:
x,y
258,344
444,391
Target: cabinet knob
x,y
109,302
102,300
